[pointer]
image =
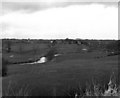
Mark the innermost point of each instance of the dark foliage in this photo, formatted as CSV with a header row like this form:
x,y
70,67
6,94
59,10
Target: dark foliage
x,y
50,54
113,46
4,67
8,46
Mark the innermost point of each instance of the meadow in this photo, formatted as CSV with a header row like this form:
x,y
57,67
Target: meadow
x,y
57,77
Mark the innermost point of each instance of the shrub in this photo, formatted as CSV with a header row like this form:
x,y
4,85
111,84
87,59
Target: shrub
x,y
50,54
4,67
8,46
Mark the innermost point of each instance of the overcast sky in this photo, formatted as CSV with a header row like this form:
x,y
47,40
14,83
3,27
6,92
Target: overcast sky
x,y
50,19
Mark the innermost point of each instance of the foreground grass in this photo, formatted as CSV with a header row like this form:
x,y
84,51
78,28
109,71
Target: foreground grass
x,y
92,89
61,76
12,90
97,90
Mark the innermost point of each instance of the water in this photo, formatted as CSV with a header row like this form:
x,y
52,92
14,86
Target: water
x,y
57,55
41,60
11,56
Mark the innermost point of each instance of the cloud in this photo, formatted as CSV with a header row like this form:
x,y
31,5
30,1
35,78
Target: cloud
x,y
29,7
60,0
15,6
85,21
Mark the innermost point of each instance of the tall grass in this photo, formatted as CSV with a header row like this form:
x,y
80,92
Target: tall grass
x,y
13,90
97,90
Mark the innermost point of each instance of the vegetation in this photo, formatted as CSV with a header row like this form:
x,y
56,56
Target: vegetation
x,y
14,91
96,89
113,46
50,54
4,67
8,46
92,89
68,69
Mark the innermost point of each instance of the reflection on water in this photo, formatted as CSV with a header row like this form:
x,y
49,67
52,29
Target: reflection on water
x,y
41,60
11,56
57,55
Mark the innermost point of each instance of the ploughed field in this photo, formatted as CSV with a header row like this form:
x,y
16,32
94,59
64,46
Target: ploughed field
x,y
56,77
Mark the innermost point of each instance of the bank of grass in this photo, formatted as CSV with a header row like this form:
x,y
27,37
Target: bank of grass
x,y
93,89
13,90
97,90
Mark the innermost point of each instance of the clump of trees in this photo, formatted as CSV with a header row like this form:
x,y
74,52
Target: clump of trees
x,y
113,46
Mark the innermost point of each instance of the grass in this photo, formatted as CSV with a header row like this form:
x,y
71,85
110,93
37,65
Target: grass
x,y
67,70
96,89
13,90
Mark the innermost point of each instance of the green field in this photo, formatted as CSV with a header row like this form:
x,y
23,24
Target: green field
x,y
65,71
73,68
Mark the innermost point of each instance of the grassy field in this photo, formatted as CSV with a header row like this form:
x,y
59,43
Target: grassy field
x,y
65,71
0,63
73,68
0,74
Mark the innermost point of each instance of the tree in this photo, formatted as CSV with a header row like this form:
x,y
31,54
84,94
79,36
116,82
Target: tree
x,y
50,54
8,46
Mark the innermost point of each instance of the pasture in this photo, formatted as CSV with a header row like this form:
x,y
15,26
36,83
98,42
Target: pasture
x,y
65,71
0,67
73,68
0,74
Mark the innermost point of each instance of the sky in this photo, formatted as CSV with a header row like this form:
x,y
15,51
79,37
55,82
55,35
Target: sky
x,y
53,19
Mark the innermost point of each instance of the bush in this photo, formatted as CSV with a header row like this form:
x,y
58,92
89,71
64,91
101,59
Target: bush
x,y
50,54
4,67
